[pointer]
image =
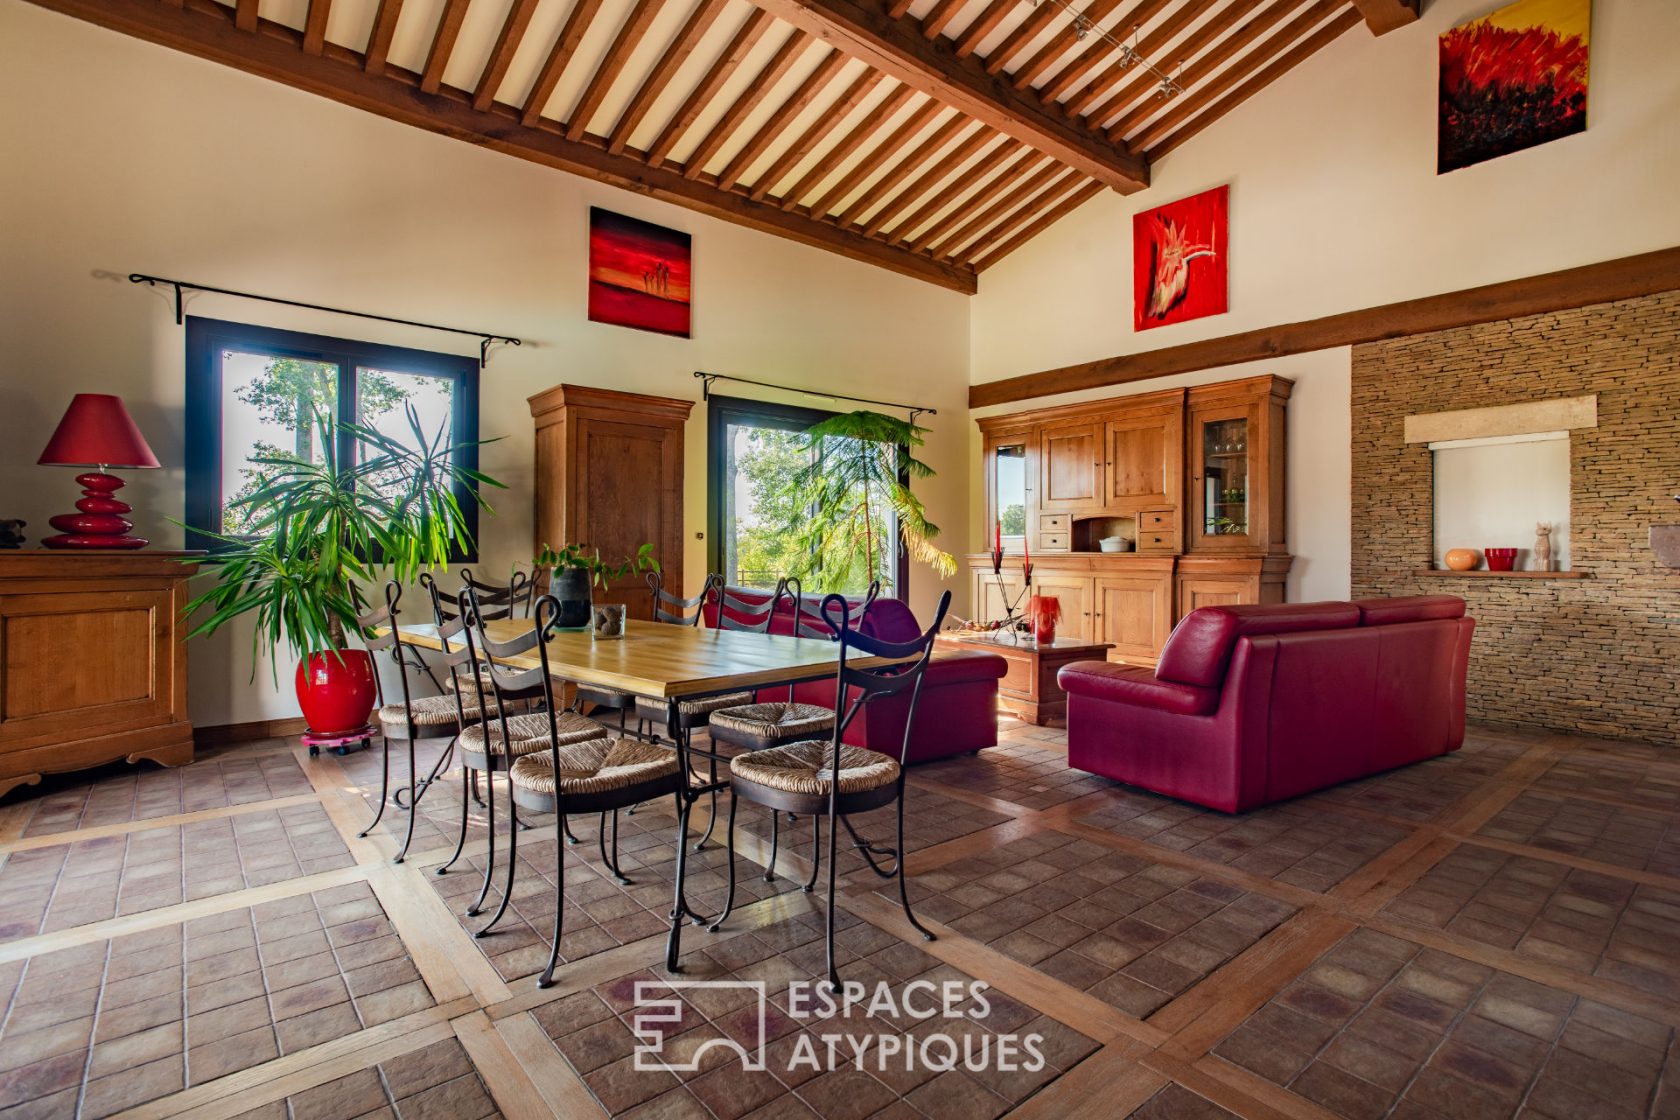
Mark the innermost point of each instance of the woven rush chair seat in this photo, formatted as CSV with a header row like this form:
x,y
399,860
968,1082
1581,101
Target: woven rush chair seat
x,y
690,711
808,768
760,726
530,732
594,767
426,711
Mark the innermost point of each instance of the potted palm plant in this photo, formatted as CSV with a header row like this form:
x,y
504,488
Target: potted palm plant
x,y
318,531
854,484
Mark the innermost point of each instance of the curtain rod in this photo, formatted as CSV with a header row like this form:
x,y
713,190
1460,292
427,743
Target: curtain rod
x,y
914,410
485,337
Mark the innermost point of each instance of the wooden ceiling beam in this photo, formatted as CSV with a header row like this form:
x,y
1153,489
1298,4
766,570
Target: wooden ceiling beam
x,y
1383,16
1603,282
501,55
973,178
1304,50
757,23
315,26
1046,57
245,15
879,154
380,36
1184,106
677,53
1024,214
862,30
1144,83
1043,15
559,56
951,242
939,15
898,8
984,24
904,168
773,72
1152,46
833,159
780,120
1049,218
960,216
612,65
1098,49
832,117
207,30
950,163
443,45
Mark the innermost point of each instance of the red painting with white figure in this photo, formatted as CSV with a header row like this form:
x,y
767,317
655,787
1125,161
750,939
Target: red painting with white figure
x,y
1179,260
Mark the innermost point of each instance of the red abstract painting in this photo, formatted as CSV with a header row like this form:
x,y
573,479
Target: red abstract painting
x,y
639,274
1512,79
1179,268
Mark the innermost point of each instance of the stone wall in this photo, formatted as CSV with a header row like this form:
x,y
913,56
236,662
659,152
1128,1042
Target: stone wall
x,y
1597,656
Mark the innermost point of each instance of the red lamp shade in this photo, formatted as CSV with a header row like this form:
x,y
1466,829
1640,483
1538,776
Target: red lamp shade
x,y
97,431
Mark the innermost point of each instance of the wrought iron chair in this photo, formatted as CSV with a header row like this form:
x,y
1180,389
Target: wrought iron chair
x,y
567,776
424,717
835,779
489,747
673,611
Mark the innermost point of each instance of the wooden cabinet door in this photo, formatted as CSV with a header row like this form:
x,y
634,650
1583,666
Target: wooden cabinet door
x,y
626,491
1135,614
1074,594
1069,459
989,604
1143,461
1199,591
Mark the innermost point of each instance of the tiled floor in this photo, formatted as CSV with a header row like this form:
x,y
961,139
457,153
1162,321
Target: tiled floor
x,y
1493,934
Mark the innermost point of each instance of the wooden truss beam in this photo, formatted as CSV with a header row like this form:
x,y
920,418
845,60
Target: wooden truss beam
x,y
1384,16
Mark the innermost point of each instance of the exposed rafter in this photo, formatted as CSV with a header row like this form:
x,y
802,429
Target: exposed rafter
x,y
1384,16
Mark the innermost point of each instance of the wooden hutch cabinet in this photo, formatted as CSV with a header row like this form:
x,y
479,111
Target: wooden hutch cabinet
x,y
1192,480
609,476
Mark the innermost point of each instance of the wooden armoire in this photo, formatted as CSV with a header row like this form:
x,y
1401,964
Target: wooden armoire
x,y
609,477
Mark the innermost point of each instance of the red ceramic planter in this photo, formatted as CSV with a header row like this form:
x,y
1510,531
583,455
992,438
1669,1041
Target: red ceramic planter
x,y
336,693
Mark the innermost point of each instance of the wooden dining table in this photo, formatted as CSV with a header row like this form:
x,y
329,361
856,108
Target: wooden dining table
x,y
671,663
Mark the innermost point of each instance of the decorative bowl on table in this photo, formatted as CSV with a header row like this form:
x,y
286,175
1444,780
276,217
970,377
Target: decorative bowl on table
x,y
1500,559
1462,559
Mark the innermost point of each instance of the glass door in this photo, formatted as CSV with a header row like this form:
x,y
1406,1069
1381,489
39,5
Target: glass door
x,y
1224,473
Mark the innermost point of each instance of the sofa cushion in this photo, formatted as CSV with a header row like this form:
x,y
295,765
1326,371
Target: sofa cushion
x,y
891,621
950,666
1200,645
1408,608
1132,685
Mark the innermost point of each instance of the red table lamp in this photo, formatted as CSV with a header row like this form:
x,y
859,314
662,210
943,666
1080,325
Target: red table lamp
x,y
98,432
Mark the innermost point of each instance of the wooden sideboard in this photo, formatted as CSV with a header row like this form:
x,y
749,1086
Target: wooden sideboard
x,y
1192,479
93,661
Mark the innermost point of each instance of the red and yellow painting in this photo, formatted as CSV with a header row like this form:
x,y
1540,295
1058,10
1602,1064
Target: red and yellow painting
x,y
1179,268
1512,79
639,274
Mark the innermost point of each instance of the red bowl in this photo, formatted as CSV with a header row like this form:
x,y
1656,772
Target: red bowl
x,y
1500,559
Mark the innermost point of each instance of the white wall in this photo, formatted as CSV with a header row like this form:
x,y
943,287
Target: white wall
x,y
1335,205
121,156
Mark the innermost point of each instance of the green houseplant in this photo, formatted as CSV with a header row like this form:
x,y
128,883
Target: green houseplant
x,y
318,531
576,570
855,478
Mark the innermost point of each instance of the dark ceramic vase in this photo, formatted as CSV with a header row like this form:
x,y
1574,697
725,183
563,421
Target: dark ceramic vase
x,y
571,587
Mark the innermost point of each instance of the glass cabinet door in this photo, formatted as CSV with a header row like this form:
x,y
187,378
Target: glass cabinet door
x,y
1009,488
1224,501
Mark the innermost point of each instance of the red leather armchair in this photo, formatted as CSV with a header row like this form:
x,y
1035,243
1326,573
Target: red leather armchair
x,y
1255,704
957,712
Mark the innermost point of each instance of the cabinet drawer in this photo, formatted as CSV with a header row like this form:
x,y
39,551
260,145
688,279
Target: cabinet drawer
x,y
1055,522
1157,521
1053,542
1157,541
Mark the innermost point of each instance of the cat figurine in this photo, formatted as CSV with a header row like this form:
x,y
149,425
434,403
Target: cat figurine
x,y
1542,547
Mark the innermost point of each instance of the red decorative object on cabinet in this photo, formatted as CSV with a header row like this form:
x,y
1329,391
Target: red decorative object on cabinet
x,y
97,431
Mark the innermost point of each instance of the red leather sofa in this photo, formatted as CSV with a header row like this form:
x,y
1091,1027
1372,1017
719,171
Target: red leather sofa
x,y
1255,704
957,712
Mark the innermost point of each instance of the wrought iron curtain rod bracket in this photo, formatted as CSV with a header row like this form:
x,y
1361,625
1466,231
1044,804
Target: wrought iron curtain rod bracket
x,y
707,379
485,338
